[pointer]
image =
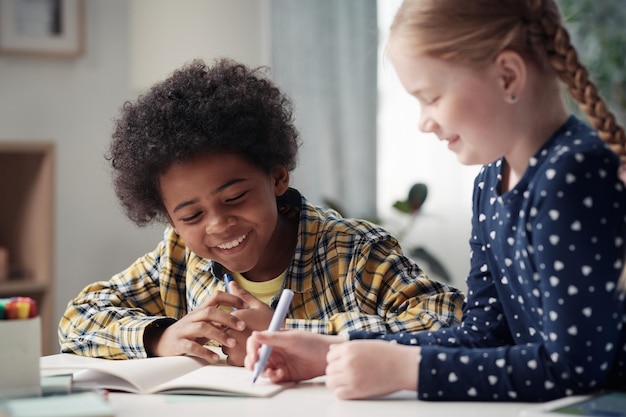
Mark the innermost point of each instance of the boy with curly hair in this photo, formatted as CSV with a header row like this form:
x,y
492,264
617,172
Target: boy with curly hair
x,y
209,152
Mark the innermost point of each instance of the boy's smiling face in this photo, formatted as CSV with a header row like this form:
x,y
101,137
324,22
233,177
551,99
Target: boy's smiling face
x,y
225,209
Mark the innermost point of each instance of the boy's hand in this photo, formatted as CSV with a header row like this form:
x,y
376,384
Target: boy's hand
x,y
257,316
189,334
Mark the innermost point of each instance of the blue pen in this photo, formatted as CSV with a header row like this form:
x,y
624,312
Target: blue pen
x,y
277,320
227,280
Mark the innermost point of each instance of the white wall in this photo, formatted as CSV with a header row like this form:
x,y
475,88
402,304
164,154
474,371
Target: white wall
x,y
73,103
164,34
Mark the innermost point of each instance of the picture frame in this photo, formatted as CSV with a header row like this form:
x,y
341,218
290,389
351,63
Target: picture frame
x,y
52,28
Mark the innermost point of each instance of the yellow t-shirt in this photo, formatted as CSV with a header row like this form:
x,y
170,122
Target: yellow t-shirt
x,y
265,290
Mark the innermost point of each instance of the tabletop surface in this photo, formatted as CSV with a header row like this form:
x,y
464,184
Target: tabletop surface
x,y
308,398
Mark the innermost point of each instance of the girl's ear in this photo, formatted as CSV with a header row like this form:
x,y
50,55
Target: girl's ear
x,y
512,75
280,176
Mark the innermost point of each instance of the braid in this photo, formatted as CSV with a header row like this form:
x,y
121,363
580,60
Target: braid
x,y
563,58
554,45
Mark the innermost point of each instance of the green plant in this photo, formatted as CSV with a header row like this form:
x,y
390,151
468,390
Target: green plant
x,y
597,28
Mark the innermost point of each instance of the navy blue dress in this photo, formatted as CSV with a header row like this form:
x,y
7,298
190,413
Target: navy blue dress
x,y
543,316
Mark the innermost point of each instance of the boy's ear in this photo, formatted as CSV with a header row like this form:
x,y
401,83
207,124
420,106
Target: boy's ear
x,y
169,220
512,75
280,176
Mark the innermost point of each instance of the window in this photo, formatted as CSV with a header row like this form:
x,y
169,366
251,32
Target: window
x,y
406,156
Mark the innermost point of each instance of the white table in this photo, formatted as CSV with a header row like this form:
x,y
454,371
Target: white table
x,y
306,399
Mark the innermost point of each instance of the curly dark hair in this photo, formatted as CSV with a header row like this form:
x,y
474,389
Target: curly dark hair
x,y
198,110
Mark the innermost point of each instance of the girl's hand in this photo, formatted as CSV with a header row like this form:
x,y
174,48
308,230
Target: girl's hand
x,y
296,354
189,334
371,368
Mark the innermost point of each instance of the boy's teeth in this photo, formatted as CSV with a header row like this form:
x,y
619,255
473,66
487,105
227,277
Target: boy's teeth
x,y
232,244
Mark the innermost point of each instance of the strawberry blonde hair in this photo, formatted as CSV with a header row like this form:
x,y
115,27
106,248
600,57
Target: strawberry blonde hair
x,y
474,32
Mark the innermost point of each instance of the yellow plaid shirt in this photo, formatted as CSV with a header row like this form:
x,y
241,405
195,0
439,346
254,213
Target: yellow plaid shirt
x,y
346,274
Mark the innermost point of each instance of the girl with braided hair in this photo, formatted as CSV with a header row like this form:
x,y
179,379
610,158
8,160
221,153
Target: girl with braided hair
x,y
544,316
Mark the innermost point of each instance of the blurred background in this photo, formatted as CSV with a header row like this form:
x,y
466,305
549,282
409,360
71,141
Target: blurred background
x,y
362,150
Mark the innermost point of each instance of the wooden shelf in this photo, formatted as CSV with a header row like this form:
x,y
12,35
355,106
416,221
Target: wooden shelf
x,y
27,227
27,288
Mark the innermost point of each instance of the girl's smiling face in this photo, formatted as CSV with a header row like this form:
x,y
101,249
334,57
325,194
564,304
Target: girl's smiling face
x,y
225,209
461,105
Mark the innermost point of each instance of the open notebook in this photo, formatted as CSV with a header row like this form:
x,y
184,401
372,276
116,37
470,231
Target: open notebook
x,y
166,375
